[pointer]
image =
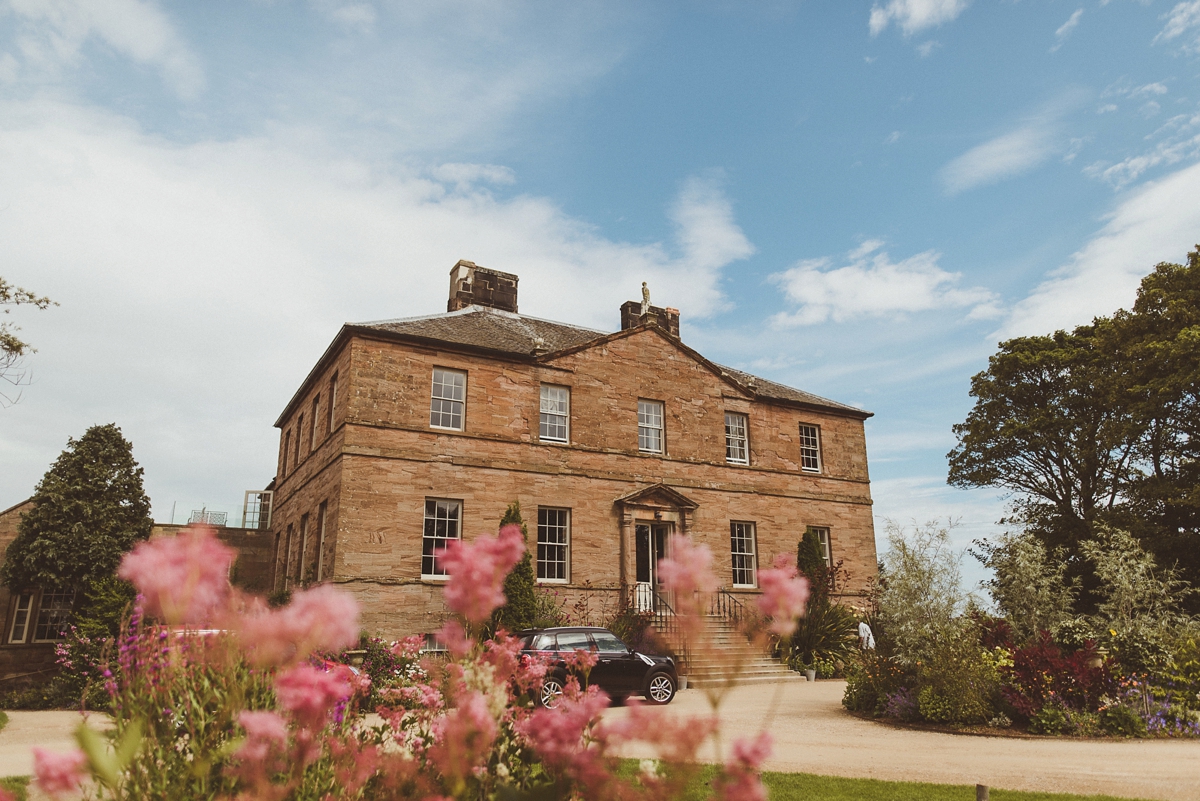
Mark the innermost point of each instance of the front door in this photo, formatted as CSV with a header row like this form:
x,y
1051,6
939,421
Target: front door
x,y
650,547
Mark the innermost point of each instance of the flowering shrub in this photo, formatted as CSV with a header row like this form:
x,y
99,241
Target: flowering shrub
x,y
1042,673
244,709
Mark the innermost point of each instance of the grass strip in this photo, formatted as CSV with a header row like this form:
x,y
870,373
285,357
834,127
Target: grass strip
x,y
3,720
17,785
810,787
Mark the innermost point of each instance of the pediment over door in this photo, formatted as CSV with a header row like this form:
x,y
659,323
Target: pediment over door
x,y
658,496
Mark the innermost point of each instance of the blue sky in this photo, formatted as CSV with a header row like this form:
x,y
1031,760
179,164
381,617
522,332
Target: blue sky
x,y
860,199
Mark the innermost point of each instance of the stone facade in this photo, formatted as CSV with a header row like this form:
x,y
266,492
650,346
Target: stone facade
x,y
351,494
25,661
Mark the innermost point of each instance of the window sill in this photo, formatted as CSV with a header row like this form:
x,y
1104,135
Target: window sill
x,y
553,581
445,428
732,463
435,579
541,441
745,586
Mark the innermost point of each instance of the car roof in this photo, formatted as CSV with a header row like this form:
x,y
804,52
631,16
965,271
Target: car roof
x,y
555,629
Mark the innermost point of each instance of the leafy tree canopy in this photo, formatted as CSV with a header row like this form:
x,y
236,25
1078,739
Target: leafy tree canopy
x,y
89,509
1099,427
12,347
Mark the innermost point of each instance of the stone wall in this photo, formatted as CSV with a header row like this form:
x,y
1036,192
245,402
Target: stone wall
x,y
380,463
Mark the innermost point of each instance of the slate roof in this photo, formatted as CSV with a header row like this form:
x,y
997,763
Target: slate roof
x,y
483,327
496,330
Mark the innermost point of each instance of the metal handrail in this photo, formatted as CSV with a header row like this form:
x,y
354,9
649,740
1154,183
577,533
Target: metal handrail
x,y
726,605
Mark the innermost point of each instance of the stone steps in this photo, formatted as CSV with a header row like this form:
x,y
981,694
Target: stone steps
x,y
728,658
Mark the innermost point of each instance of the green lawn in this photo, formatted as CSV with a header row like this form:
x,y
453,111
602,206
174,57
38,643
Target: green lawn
x,y
810,787
806,786
16,785
3,720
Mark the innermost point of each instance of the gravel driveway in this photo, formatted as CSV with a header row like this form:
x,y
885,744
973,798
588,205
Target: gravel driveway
x,y
813,734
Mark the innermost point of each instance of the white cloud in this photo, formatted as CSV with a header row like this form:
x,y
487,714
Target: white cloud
x,y
707,233
892,138
1002,157
1184,18
1180,140
1158,223
1065,29
464,175
199,283
913,16
872,286
1106,108
349,15
52,33
925,49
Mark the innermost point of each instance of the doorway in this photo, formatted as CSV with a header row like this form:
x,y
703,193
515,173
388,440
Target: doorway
x,y
650,546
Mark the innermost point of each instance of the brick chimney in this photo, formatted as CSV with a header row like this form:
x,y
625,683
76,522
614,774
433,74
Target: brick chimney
x,y
666,319
472,285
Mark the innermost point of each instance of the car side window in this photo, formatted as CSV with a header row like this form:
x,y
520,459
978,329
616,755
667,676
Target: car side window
x,y
573,641
543,642
609,644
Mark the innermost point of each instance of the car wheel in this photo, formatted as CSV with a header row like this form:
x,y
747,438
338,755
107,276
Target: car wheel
x,y
551,693
660,689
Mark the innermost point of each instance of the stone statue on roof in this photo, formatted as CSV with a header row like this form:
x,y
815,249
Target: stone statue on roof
x,y
645,299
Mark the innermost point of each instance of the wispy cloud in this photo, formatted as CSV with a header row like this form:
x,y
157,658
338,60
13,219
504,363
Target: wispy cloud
x,y
892,138
925,49
1183,19
1011,153
1004,156
913,16
705,227
1158,223
872,285
50,35
1065,29
1179,139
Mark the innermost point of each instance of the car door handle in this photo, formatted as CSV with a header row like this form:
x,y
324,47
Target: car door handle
x,y
606,661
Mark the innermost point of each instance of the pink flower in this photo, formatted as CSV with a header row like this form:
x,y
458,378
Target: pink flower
x,y
784,594
319,619
557,734
477,572
59,773
688,569
184,578
266,734
454,637
310,694
408,648
464,736
741,781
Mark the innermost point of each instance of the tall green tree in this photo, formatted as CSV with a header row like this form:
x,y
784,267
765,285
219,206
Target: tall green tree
x,y
1048,425
1158,344
520,607
89,509
810,563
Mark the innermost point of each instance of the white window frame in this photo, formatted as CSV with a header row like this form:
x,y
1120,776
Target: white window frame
x,y
438,542
732,440
442,404
651,424
554,411
47,605
743,532
546,529
322,514
312,432
332,401
824,537
20,608
303,555
810,448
